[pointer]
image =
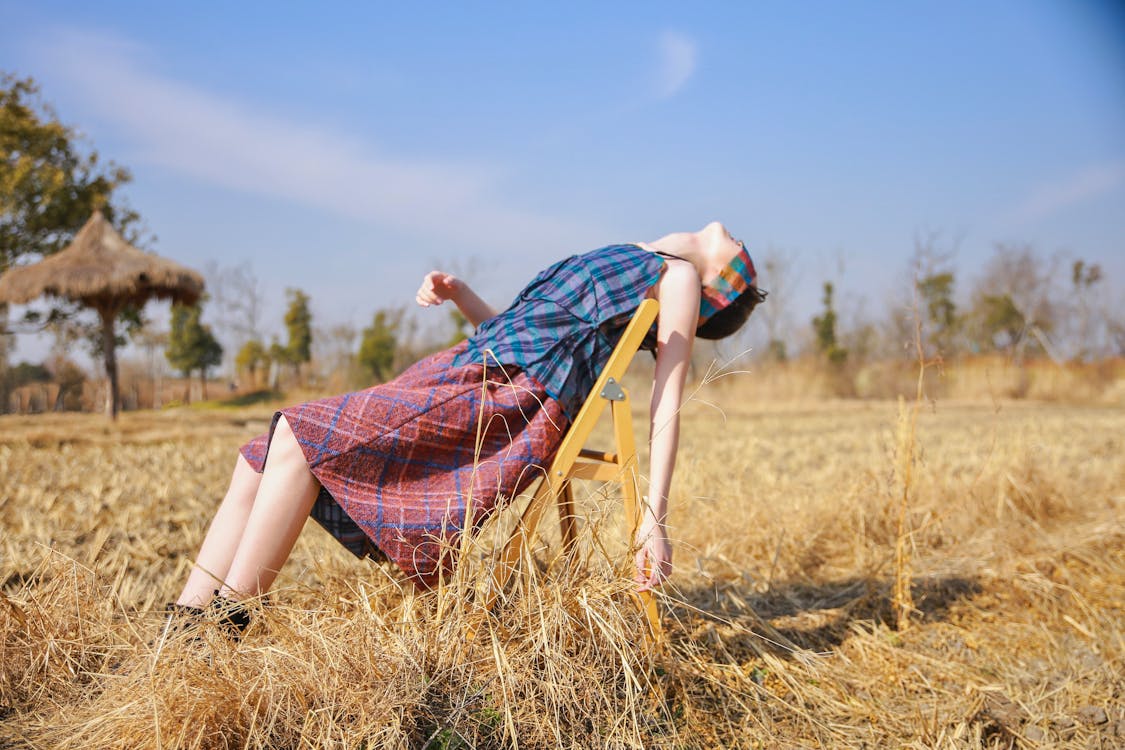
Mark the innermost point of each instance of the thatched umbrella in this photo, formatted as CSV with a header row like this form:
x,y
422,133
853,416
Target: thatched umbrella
x,y
102,271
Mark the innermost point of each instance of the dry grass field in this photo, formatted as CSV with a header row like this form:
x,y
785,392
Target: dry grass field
x,y
779,625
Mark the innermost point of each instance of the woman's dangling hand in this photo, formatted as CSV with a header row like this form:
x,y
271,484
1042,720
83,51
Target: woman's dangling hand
x,y
654,555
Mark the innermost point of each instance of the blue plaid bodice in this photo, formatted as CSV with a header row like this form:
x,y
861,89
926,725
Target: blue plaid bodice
x,y
563,326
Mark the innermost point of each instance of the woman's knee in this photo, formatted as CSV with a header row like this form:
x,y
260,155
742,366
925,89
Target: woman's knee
x,y
244,477
283,444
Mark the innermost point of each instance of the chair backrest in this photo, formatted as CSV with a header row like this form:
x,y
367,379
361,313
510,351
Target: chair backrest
x,y
615,367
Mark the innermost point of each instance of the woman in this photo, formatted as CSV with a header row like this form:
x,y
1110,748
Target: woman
x,y
397,469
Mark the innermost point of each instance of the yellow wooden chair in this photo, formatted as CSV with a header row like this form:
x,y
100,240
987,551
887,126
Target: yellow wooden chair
x,y
573,461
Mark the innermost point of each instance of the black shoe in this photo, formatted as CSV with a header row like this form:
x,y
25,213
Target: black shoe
x,y
180,620
183,614
232,616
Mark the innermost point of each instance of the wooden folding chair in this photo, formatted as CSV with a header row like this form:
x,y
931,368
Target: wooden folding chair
x,y
573,461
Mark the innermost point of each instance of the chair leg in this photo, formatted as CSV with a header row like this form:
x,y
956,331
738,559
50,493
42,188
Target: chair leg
x,y
627,460
518,540
567,520
627,456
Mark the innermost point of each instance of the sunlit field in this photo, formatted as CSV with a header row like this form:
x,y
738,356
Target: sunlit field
x,y
779,627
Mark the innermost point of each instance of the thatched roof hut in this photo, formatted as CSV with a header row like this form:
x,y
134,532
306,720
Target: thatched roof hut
x,y
99,267
100,270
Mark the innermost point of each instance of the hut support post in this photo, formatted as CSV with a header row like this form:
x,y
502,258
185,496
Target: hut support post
x,y
109,349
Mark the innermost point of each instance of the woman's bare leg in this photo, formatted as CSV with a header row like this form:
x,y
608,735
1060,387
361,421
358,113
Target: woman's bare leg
x,y
283,503
221,543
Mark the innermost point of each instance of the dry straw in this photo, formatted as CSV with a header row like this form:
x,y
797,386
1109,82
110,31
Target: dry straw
x,y
780,616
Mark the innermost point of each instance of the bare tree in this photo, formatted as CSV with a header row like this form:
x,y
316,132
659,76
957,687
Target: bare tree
x,y
777,274
1013,303
1109,314
235,305
334,356
7,344
859,334
1084,321
153,342
1116,334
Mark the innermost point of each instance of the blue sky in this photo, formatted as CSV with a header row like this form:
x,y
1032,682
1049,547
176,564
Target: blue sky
x,y
347,148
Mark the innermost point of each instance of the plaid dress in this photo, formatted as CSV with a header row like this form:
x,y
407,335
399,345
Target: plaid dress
x,y
403,464
564,324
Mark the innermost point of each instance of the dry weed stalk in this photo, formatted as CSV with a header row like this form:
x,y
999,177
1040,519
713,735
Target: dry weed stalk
x,y
906,454
903,598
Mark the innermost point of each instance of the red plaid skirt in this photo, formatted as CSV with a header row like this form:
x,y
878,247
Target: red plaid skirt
x,y
404,460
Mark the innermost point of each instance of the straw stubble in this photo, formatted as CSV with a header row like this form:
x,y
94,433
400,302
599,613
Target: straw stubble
x,y
779,621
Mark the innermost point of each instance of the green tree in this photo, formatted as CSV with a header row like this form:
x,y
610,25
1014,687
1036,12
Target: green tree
x,y
936,294
824,325
28,372
1001,322
1085,276
1016,304
191,345
48,187
378,345
70,378
25,373
777,350
298,325
250,358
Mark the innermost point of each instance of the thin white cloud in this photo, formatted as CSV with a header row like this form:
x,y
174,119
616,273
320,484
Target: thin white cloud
x,y
678,60
229,144
1048,200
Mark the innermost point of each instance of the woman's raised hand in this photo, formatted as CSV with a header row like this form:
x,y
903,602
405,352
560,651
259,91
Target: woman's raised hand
x,y
437,287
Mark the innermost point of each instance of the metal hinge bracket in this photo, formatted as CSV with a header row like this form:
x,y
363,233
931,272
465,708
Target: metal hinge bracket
x,y
613,391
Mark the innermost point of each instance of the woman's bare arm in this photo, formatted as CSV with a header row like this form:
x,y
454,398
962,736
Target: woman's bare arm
x,y
678,294
437,287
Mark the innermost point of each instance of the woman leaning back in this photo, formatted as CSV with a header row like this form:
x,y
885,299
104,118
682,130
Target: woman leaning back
x,y
388,470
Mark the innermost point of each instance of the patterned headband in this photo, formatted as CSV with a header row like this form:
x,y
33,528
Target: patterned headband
x,y
735,278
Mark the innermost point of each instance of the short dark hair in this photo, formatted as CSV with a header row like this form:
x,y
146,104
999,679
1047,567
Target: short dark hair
x,y
732,317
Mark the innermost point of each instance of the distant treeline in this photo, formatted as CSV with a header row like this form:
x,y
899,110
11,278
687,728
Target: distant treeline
x,y
1023,307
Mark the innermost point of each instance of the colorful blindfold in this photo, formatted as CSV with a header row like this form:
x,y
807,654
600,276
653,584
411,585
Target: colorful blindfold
x,y
735,278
